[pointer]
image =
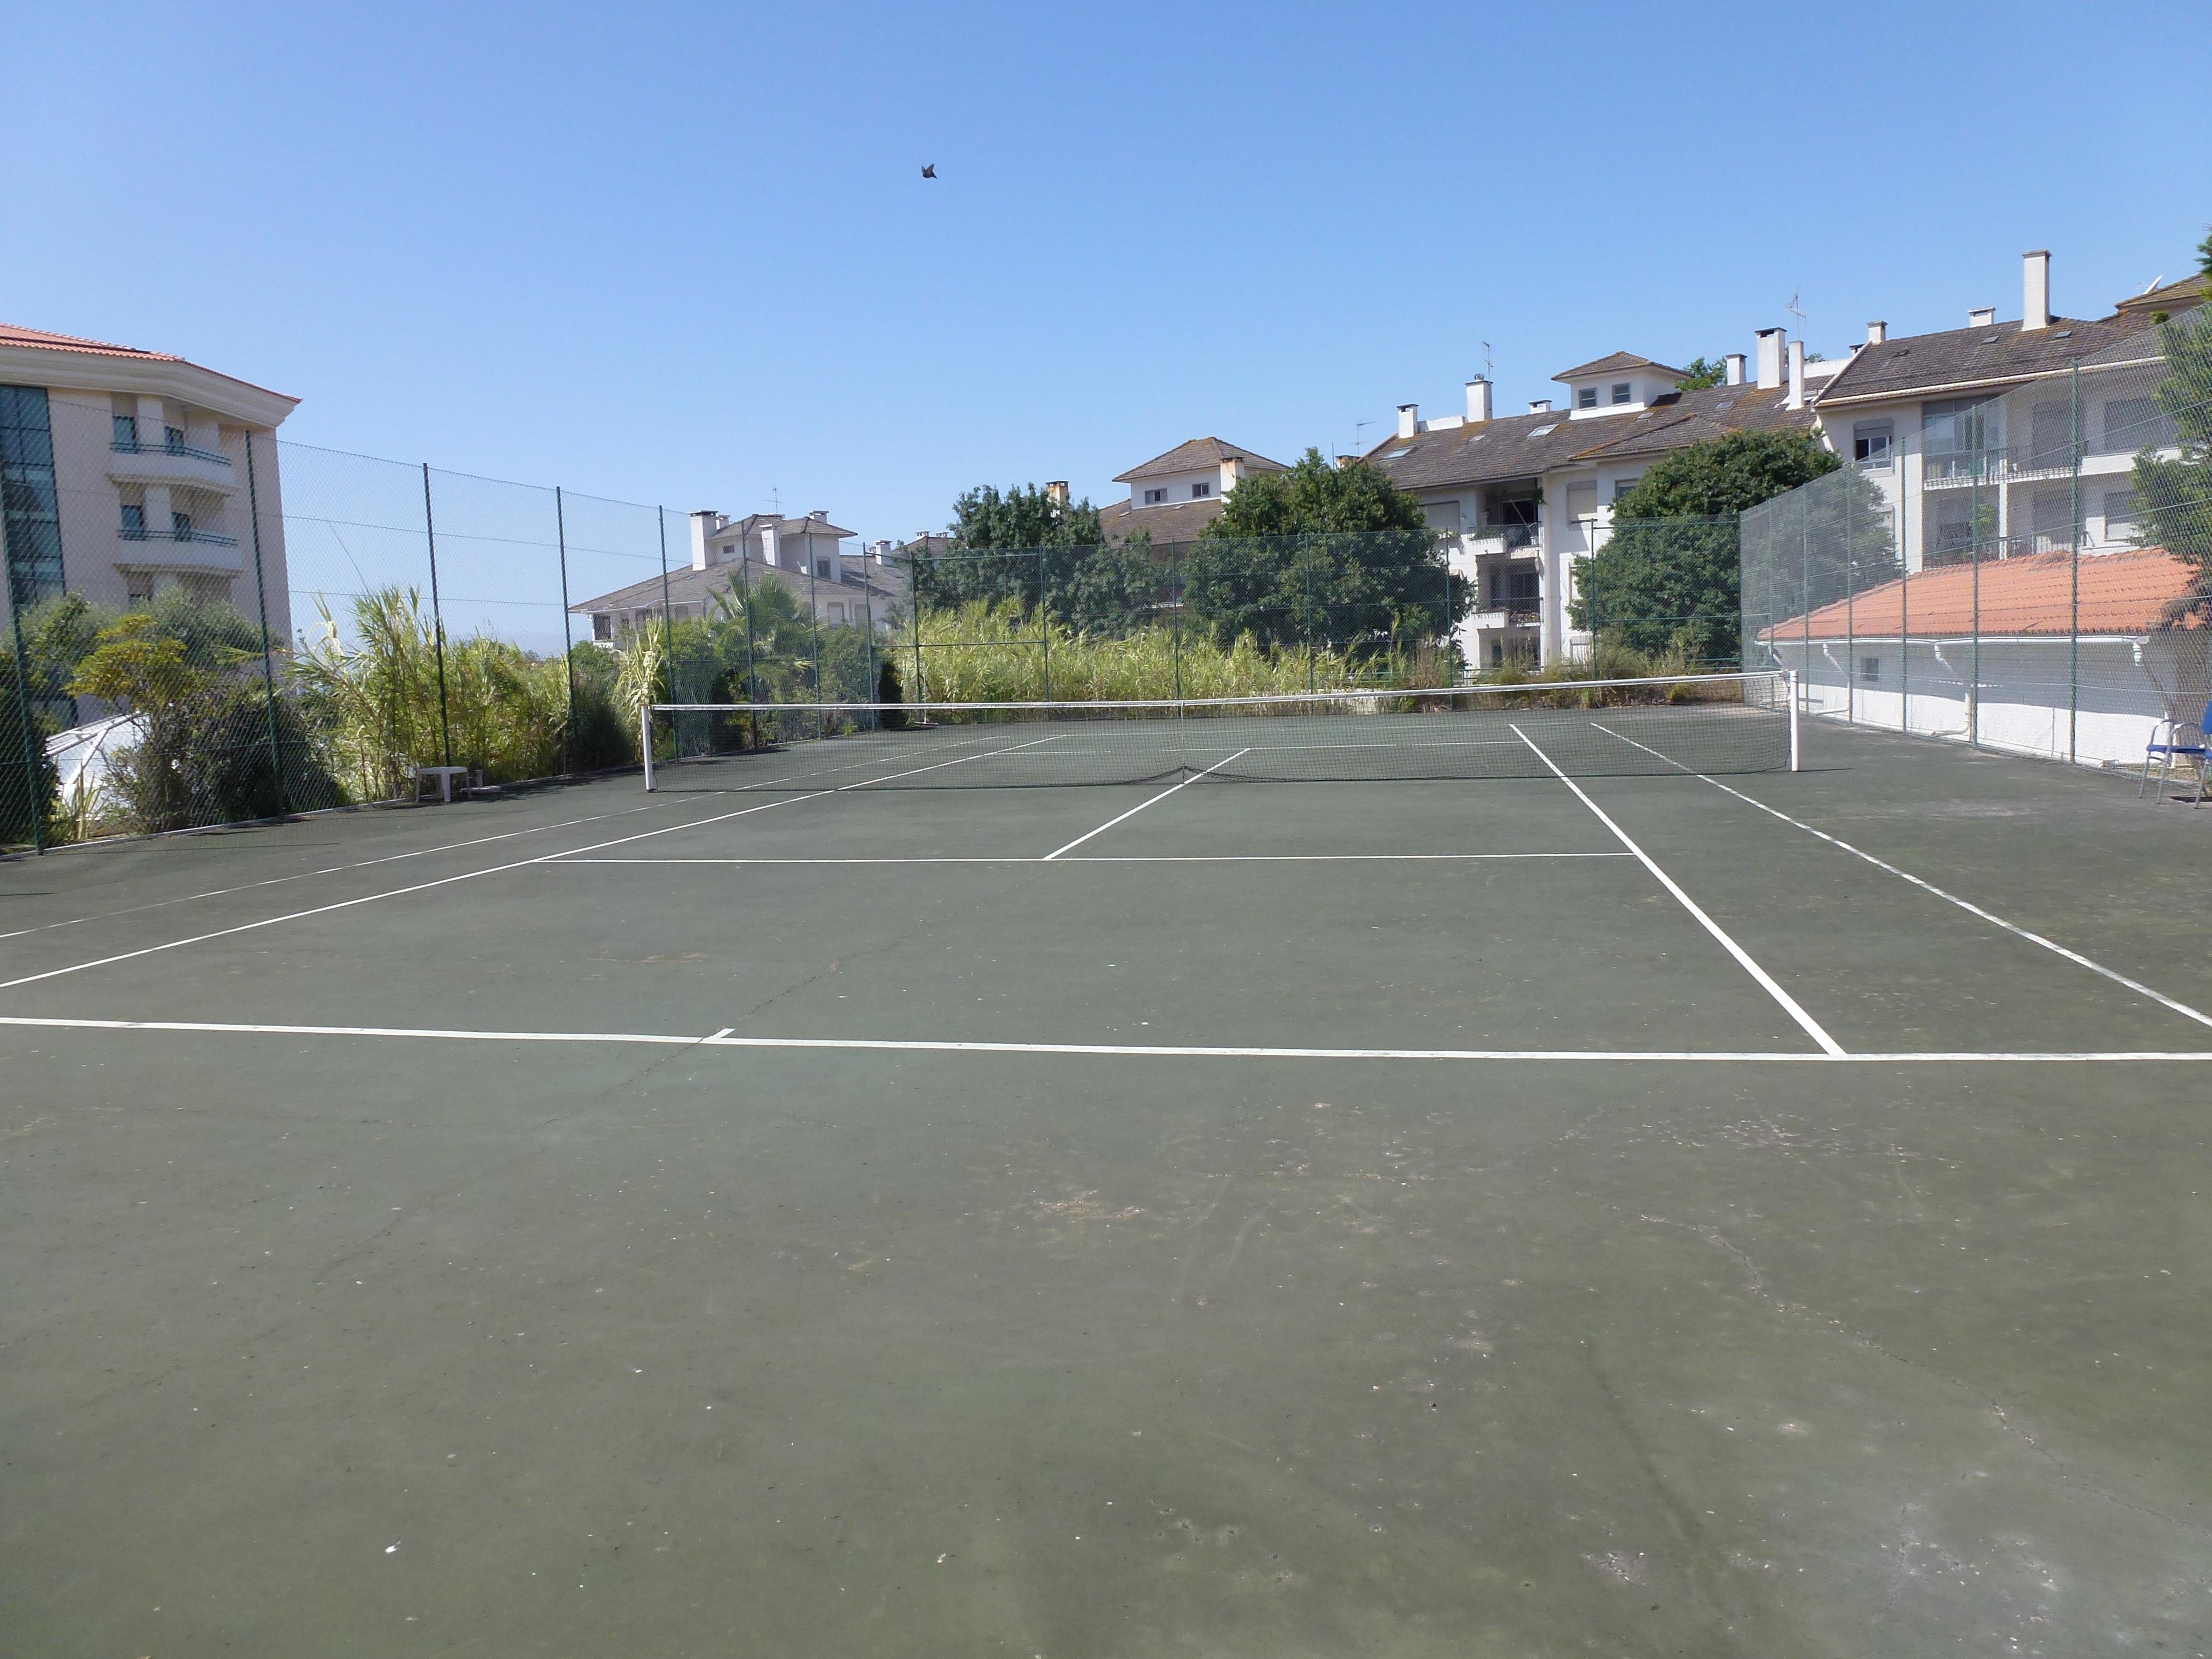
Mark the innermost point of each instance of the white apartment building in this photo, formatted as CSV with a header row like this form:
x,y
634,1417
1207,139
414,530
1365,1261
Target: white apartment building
x,y
1972,434
128,471
1173,496
805,554
1519,498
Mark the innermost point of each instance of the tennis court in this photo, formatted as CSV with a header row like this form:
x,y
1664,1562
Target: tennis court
x,y
1629,1206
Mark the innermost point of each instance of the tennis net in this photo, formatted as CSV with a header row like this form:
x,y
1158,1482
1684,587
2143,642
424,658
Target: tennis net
x,y
1703,723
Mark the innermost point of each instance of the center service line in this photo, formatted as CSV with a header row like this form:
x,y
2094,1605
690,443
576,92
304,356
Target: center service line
x,y
1142,806
1766,981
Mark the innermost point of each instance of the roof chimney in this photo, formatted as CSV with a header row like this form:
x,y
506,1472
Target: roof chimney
x,y
1232,469
1735,369
1877,333
1409,419
704,523
1540,405
1769,357
1796,399
1057,492
1982,317
1478,401
2035,283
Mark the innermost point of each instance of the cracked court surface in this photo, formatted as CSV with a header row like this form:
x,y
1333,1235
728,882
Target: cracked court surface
x,y
1294,1218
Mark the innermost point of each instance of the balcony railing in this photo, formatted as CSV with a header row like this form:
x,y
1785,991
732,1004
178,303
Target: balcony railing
x,y
139,532
1517,612
1516,537
132,447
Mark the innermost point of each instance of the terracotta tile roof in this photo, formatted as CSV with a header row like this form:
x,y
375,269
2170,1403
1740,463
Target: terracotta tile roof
x,y
2121,593
39,339
1614,363
1197,455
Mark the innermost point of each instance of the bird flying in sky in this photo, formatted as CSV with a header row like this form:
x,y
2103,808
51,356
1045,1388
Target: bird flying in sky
x,y
930,171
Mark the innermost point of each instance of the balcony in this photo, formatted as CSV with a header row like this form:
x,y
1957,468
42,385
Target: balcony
x,y
1505,538
183,549
1517,612
170,462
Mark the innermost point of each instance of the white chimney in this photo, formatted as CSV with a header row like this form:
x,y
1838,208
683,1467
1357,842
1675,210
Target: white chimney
x,y
1982,317
1478,401
1796,399
1409,419
2035,283
1057,492
703,524
1769,357
769,541
1540,405
1877,333
1735,369
1232,469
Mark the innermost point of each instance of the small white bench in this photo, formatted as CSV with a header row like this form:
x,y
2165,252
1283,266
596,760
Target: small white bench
x,y
445,775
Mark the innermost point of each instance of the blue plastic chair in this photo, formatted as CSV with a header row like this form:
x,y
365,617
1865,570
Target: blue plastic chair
x,y
2174,749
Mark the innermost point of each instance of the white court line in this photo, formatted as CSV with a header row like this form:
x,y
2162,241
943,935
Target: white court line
x,y
1812,1027
1135,858
725,1038
1968,906
420,851
1140,806
444,881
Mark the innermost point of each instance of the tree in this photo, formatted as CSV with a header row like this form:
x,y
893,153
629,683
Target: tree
x,y
1702,373
1024,545
1331,555
2176,495
1671,573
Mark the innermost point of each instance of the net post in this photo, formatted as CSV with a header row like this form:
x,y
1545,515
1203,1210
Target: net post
x,y
645,738
261,603
1793,721
568,633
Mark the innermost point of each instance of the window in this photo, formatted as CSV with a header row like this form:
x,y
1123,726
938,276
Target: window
x,y
837,613
180,525
173,438
1870,669
2050,434
1521,586
126,433
1586,397
822,566
138,589
2133,423
1443,516
1622,486
1623,391
2120,520
1956,434
1154,497
1873,442
603,626
1200,491
134,521
28,500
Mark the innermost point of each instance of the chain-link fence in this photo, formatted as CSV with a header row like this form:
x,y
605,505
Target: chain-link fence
x,y
2026,567
204,629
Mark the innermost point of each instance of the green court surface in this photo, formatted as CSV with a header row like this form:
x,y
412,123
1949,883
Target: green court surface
x,y
1739,1215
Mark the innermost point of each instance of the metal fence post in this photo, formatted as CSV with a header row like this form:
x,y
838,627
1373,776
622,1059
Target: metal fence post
x,y
437,619
913,604
2074,576
1974,546
261,600
1175,580
667,638
1305,578
568,639
1044,624
33,773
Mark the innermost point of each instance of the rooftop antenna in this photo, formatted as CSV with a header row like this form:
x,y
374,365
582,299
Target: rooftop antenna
x,y
1489,372
1795,310
1358,443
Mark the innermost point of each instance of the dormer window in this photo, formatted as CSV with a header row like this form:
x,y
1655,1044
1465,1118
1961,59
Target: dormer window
x,y
1586,397
1154,497
1622,391
1199,491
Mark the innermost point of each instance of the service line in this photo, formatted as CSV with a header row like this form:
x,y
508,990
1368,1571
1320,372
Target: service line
x,y
727,1038
1142,806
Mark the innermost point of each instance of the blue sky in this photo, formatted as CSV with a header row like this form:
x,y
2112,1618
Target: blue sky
x,y
683,254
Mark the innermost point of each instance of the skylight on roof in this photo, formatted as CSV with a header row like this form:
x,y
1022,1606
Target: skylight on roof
x,y
1393,454
1545,431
